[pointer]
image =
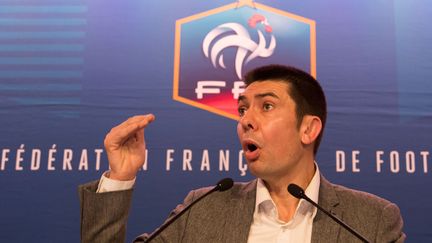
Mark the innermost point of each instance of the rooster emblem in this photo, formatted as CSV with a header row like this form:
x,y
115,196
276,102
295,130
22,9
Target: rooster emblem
x,y
235,35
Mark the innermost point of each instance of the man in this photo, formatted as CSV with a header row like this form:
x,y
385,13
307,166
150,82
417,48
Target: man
x,y
282,117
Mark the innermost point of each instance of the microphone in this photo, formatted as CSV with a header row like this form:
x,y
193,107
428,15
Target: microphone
x,y
222,185
299,193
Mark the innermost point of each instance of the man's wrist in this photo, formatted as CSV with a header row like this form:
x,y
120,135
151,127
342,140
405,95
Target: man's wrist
x,y
109,184
119,177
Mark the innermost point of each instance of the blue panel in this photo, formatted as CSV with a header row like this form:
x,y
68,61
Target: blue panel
x,y
42,35
71,70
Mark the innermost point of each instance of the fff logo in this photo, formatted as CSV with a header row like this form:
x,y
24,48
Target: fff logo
x,y
218,44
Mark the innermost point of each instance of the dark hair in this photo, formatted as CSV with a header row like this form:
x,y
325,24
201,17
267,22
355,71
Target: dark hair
x,y
304,89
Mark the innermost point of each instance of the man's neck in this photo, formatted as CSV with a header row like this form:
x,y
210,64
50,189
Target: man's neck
x,y
286,204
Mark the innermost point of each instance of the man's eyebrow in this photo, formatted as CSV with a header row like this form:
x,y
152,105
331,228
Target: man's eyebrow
x,y
243,98
262,95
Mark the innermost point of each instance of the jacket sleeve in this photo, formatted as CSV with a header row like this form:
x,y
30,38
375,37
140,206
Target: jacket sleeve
x,y
103,215
390,225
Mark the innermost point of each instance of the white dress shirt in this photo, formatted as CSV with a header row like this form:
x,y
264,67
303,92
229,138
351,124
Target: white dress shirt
x,y
266,226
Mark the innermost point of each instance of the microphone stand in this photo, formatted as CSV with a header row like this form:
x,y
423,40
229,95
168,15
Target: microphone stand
x,y
222,185
298,192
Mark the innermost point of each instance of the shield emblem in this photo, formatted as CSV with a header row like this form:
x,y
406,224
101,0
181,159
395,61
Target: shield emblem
x,y
214,49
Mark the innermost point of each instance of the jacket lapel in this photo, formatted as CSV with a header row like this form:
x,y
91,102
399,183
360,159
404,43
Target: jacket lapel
x,y
239,219
324,228
242,206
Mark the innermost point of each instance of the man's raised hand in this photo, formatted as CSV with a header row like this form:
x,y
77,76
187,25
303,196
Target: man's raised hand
x,y
125,147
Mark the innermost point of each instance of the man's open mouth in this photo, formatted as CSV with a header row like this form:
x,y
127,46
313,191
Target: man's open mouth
x,y
251,147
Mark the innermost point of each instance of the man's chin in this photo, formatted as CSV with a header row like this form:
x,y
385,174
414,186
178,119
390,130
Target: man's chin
x,y
256,171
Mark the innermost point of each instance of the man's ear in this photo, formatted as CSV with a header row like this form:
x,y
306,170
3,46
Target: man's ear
x,y
310,129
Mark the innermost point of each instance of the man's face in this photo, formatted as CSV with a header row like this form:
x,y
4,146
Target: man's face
x,y
268,130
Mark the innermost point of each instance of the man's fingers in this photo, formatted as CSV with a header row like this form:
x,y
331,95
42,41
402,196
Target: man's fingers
x,y
133,127
129,128
145,120
139,136
138,119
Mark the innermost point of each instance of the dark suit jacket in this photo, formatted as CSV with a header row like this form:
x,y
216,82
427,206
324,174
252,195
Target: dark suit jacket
x,y
227,216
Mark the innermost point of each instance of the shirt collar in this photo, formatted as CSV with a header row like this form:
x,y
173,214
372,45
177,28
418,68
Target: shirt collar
x,y
312,190
265,204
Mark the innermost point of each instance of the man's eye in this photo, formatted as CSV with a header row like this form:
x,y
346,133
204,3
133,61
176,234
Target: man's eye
x,y
241,111
267,107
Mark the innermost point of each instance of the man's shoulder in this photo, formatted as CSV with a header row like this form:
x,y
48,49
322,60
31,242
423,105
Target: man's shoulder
x,y
373,216
349,197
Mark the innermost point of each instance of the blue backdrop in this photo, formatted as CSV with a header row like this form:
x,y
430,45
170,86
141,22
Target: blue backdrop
x,y
70,70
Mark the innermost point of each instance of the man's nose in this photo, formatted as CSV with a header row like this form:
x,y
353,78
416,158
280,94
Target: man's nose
x,y
248,121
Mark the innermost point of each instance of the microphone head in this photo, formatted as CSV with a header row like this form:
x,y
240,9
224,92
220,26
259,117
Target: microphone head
x,y
224,184
296,191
